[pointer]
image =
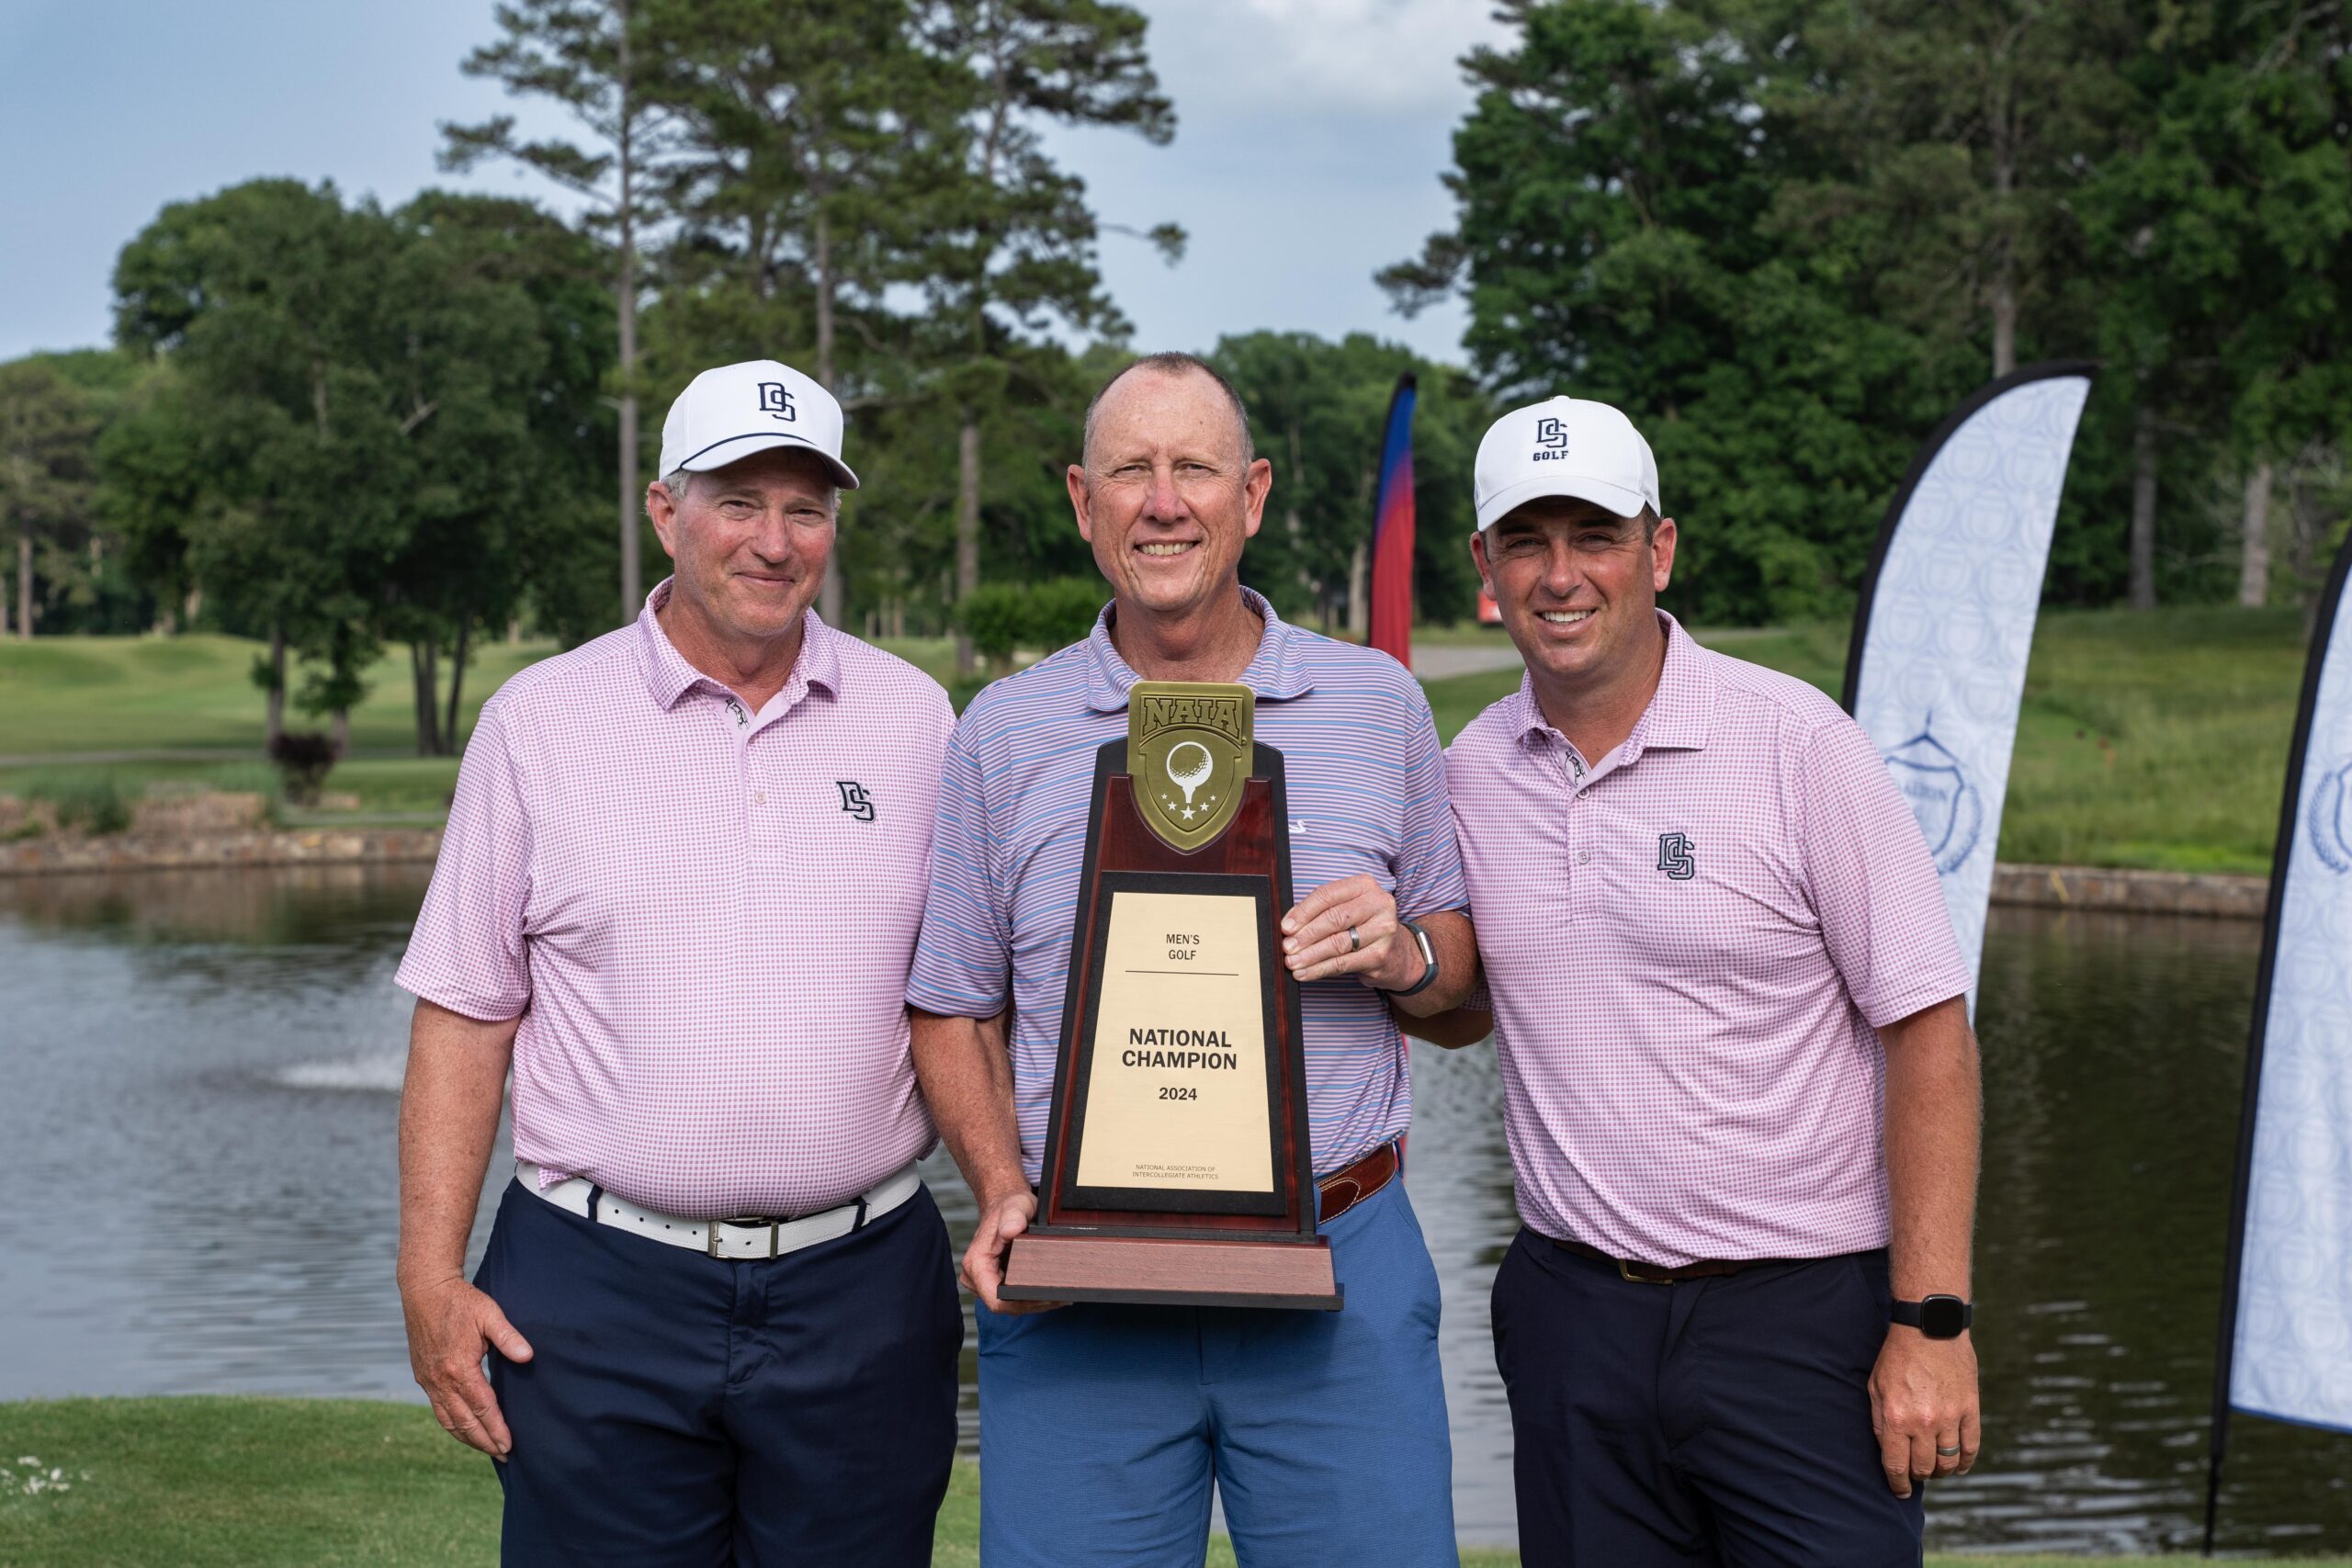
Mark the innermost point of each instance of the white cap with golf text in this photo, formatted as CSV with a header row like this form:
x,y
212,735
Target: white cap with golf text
x,y
726,414
1567,446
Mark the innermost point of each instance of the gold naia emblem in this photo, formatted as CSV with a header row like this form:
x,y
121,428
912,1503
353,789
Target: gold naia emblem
x,y
1189,750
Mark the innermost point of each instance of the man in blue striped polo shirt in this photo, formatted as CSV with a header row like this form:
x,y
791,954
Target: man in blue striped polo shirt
x,y
1101,1427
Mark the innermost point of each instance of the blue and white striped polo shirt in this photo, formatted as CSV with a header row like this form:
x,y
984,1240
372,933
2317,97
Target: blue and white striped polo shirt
x,y
1366,784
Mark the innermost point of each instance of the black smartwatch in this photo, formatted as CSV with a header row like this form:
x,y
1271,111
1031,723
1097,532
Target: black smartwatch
x,y
1428,959
1937,1317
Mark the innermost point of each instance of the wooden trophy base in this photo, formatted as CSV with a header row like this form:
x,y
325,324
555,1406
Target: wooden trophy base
x,y
1051,1266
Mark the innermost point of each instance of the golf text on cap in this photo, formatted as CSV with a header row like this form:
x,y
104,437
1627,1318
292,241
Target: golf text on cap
x,y
731,412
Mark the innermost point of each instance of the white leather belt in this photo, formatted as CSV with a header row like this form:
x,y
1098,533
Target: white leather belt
x,y
740,1238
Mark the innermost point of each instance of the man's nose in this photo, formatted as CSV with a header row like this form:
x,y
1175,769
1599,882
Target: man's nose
x,y
1162,504
775,539
1561,571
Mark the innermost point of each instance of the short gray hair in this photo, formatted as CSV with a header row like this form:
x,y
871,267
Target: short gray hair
x,y
1174,364
677,479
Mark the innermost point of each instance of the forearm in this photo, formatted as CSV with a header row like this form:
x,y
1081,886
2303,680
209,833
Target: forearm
x,y
1453,1029
1456,946
1933,1112
449,1104
966,1072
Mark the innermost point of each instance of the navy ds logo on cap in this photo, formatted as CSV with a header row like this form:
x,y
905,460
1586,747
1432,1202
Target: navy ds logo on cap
x,y
1564,446
714,423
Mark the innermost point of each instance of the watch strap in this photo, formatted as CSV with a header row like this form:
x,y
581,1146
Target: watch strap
x,y
1428,960
1938,1317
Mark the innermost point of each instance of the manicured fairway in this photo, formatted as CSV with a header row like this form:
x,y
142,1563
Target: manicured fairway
x,y
2155,740
207,1483
2146,739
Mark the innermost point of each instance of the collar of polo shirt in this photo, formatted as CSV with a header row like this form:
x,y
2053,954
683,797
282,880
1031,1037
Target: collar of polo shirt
x,y
669,677
1680,713
1275,672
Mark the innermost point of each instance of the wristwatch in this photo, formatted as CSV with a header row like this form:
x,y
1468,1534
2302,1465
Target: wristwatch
x,y
1428,960
1937,1317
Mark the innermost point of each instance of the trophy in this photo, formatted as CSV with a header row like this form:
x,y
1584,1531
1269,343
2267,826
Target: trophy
x,y
1176,1165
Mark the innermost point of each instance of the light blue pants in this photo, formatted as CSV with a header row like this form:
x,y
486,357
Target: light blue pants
x,y
1101,1427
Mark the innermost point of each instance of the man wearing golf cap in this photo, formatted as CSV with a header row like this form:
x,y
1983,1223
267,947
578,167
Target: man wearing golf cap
x,y
678,897
1739,1084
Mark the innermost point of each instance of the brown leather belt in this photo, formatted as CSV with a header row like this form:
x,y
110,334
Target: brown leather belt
x,y
1642,1273
1343,1190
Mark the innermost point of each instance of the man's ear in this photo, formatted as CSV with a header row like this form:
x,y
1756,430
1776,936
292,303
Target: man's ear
x,y
662,507
1075,477
1662,554
1478,560
1256,485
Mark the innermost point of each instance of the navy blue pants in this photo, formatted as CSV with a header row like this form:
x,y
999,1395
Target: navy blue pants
x,y
1721,1421
682,1409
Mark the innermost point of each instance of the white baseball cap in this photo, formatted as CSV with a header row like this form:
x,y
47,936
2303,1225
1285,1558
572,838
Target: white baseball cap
x,y
726,414
1565,447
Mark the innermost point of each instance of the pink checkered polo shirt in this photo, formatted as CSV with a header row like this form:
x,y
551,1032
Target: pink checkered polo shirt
x,y
1687,945
704,916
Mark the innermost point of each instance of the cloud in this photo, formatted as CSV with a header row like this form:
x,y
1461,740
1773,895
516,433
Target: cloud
x,y
1288,57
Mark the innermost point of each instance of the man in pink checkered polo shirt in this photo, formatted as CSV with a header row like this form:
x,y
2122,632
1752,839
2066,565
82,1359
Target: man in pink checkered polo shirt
x,y
679,896
1740,1088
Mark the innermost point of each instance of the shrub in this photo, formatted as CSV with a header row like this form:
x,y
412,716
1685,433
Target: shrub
x,y
87,798
1004,617
994,616
303,759
1063,610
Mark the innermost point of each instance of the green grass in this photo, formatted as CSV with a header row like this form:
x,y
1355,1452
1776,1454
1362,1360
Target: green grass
x,y
224,1482
93,799
2155,740
2151,740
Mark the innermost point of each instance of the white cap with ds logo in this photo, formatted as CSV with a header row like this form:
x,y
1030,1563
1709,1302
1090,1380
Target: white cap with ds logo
x,y
1565,447
729,414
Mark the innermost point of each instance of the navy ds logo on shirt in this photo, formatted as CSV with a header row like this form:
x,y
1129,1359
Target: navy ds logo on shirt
x,y
775,399
1674,856
854,800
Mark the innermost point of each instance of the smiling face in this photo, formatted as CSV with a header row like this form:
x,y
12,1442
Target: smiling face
x,y
750,541
1168,494
1578,587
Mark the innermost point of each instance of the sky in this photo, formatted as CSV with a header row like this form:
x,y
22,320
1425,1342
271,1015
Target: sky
x,y
1310,138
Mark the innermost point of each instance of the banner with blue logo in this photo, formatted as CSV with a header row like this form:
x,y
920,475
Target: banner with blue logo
x,y
2286,1349
1937,668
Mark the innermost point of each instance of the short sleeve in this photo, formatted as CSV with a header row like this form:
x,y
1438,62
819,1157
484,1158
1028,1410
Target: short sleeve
x,y
1872,882
1429,856
467,951
963,962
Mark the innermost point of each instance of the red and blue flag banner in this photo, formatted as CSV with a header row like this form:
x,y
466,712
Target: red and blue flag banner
x,y
1392,531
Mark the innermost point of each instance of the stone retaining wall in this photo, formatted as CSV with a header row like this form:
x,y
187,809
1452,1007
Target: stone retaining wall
x,y
2132,892
140,852
2045,886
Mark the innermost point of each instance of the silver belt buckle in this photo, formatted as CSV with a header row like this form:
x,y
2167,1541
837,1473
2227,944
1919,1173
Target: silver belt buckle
x,y
742,1221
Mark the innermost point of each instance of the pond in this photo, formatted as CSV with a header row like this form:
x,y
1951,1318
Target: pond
x,y
197,1145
